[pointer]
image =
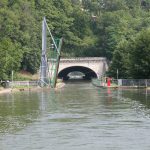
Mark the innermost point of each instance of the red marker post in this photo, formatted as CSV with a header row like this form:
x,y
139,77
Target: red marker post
x,y
108,82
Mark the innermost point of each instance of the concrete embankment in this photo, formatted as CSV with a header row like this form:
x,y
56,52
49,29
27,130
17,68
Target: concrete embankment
x,y
11,90
60,85
2,90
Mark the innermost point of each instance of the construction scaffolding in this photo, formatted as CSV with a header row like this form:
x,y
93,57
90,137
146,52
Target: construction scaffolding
x,y
51,48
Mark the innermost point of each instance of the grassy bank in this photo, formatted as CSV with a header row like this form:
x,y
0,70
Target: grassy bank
x,y
25,76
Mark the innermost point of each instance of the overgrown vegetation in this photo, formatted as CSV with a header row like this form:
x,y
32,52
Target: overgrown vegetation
x,y
116,29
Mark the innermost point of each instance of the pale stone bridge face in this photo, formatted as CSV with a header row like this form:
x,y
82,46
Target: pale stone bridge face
x,y
91,67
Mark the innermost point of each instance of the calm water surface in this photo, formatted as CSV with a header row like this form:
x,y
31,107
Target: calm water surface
x,y
77,117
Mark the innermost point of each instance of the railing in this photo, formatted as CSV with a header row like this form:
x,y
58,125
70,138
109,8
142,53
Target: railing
x,y
84,58
24,83
134,82
137,83
81,59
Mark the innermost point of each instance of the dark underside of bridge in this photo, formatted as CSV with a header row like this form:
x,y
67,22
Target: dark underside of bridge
x,y
88,73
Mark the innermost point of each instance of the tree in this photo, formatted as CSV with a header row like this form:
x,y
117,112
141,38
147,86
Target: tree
x,y
120,61
11,57
28,35
90,28
139,66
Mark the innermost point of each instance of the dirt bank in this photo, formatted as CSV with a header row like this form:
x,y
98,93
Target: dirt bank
x,y
2,90
10,90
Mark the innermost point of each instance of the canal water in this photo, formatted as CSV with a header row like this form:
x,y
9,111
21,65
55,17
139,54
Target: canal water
x,y
77,117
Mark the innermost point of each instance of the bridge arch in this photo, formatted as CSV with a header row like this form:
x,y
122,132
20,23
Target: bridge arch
x,y
90,66
89,73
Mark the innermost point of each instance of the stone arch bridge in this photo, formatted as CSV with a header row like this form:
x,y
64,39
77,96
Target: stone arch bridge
x,y
91,67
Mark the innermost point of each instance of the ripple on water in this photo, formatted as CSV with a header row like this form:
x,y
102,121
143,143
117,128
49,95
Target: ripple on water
x,y
79,117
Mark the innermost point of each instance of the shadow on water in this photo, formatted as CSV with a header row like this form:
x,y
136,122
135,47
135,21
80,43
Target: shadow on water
x,y
17,111
77,81
140,95
79,96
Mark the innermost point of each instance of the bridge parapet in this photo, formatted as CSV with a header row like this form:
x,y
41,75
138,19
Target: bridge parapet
x,y
83,59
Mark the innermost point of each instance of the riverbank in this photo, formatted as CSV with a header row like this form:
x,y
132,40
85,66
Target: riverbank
x,y
2,90
123,83
60,85
122,87
12,90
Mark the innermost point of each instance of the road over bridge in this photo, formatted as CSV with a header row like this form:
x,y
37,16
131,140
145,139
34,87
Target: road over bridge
x,y
91,67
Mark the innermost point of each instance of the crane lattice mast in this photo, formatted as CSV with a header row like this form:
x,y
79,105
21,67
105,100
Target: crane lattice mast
x,y
51,48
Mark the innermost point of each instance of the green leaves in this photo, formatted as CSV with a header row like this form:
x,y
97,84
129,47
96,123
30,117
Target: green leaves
x,y
140,55
116,29
132,57
11,57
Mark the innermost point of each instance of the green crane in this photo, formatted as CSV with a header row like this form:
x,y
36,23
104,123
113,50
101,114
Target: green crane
x,y
55,59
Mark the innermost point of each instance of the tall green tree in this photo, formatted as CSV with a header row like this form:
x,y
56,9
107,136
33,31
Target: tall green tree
x,y
28,35
107,28
139,66
11,57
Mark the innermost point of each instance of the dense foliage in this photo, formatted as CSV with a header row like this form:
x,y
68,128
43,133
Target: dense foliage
x,y
116,29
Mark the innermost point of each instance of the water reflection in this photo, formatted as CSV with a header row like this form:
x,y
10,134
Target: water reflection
x,y
77,117
17,110
140,101
141,95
